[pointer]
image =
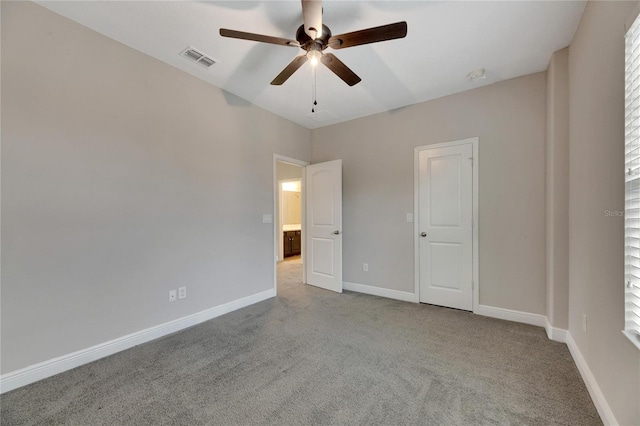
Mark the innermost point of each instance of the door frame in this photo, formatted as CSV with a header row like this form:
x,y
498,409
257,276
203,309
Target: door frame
x,y
274,185
416,214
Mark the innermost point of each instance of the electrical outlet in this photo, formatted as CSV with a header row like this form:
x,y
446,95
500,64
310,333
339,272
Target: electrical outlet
x,y
584,323
182,292
267,218
172,295
365,267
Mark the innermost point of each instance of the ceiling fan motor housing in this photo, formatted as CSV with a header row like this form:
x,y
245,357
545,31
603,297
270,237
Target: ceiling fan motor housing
x,y
307,43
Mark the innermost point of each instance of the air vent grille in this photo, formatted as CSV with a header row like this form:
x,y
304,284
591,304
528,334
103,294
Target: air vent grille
x,y
207,61
198,57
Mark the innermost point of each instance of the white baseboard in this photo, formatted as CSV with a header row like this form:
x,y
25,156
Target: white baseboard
x,y
42,370
555,334
606,414
382,292
510,315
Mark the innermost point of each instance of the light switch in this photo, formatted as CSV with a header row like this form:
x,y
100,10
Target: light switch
x,y
409,217
267,218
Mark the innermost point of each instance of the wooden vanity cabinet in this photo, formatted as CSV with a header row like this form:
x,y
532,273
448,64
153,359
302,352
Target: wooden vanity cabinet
x,y
292,243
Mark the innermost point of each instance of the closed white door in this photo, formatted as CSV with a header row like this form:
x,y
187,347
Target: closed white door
x,y
445,226
324,225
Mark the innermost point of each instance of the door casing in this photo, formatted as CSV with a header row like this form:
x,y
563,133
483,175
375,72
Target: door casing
x,y
416,215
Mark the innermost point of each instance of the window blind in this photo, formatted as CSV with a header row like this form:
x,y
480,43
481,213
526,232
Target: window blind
x,y
632,179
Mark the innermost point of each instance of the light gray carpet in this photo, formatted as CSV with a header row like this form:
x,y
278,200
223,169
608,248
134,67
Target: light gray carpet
x,y
310,356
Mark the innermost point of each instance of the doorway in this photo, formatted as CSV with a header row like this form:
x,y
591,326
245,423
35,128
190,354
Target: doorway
x,y
290,219
446,231
288,223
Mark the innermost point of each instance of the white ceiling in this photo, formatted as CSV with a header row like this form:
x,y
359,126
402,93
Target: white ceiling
x,y
445,41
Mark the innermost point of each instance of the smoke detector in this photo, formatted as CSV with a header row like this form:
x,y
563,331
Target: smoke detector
x,y
478,74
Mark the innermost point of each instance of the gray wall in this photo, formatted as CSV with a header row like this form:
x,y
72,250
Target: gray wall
x,y
122,178
287,171
377,151
557,190
596,242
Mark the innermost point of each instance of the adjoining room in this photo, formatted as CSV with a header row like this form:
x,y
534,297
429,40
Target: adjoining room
x,y
306,212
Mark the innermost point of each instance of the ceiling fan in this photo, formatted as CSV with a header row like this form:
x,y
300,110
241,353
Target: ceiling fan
x,y
314,37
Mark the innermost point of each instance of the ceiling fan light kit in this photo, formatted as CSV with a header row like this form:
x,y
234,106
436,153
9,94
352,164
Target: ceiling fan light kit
x,y
314,37
314,54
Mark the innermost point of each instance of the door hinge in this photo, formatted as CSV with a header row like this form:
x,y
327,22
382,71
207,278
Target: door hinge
x,y
471,158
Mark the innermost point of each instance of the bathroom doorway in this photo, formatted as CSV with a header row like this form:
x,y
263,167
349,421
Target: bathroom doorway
x,y
290,218
289,214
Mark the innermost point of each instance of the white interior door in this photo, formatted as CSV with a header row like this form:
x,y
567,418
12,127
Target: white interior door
x,y
446,226
324,225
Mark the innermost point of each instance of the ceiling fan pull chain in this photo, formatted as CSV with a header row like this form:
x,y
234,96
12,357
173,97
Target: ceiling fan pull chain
x,y
315,83
313,108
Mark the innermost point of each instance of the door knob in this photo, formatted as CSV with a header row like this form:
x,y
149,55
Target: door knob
x,y
424,234
336,232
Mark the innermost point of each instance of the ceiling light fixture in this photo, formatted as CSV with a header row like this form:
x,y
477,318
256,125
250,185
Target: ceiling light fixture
x,y
291,186
478,74
314,56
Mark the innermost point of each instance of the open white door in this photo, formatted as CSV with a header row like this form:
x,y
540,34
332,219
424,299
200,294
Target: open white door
x,y
446,226
323,184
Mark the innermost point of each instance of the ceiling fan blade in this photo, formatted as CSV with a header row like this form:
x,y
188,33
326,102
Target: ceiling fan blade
x,y
258,37
370,35
340,69
312,15
293,66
